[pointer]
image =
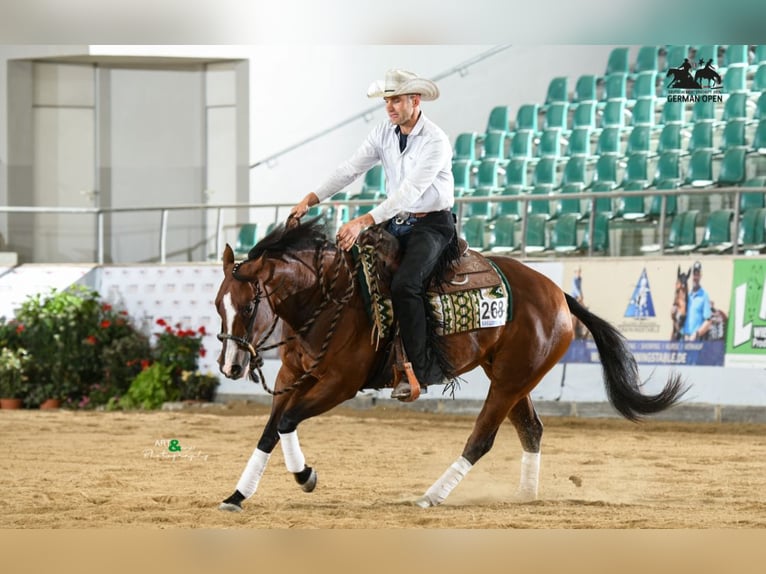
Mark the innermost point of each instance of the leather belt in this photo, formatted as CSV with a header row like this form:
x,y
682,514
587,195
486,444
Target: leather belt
x,y
424,213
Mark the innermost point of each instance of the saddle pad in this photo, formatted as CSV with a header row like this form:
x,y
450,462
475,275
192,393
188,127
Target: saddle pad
x,y
477,296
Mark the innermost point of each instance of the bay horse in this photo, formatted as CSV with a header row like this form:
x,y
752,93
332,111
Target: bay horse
x,y
296,275
680,300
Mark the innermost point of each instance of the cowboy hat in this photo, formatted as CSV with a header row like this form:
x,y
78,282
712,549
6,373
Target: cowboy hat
x,y
401,82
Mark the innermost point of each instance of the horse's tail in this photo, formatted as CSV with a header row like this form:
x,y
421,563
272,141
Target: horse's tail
x,y
623,385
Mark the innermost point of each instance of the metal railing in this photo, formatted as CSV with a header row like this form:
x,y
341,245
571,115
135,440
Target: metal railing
x,y
735,194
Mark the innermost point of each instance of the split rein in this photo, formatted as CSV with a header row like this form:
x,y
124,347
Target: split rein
x,y
256,361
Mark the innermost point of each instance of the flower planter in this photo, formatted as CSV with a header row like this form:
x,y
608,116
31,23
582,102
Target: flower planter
x,y
11,403
50,404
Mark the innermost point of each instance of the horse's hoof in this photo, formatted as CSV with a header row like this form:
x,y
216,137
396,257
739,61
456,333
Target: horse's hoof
x,y
229,507
311,482
424,502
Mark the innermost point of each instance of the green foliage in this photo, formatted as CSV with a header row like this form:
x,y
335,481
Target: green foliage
x,y
13,379
152,387
195,386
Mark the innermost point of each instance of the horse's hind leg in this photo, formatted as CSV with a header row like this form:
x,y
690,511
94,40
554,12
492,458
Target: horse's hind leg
x,y
529,427
495,409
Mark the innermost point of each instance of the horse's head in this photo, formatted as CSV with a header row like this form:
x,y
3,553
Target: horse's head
x,y
244,315
680,301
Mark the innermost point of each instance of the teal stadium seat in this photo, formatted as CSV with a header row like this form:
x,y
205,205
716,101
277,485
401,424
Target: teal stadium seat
x,y
618,62
640,140
717,235
467,147
733,134
671,139
616,87
247,236
563,237
700,168
558,91
499,119
732,170
586,89
503,236
646,60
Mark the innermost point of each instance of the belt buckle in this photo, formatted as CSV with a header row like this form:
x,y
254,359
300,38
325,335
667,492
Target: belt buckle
x,y
401,218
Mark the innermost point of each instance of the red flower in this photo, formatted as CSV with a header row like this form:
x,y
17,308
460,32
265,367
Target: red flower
x,y
91,340
106,307
105,324
202,352
19,328
124,313
169,329
202,331
144,364
161,322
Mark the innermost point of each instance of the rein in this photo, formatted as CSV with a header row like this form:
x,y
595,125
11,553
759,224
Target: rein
x,y
327,299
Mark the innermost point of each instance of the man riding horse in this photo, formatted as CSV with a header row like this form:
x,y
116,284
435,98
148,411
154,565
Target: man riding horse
x,y
417,159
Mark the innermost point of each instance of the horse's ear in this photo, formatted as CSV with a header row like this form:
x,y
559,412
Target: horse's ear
x,y
228,256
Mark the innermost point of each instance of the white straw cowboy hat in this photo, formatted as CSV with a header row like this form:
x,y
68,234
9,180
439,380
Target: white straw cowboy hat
x,y
402,82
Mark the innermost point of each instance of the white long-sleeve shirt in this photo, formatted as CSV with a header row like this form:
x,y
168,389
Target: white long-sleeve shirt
x,y
419,179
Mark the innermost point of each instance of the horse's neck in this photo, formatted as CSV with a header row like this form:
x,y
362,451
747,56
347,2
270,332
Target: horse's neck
x,y
299,288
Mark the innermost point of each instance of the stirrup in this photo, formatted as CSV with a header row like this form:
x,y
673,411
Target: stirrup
x,y
410,384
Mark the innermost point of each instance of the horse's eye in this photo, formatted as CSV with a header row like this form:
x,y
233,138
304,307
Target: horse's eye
x,y
249,308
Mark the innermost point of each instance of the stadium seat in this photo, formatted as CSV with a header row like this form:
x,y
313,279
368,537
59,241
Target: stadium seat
x,y
733,134
646,60
616,87
637,169
462,172
609,141
687,238
497,146
584,116
668,167
558,91
700,170
752,200
600,235
614,114
544,183
563,237
536,239
671,201
606,170
374,179
247,236
523,144
736,55
586,89
632,207
564,205
556,116
550,144
507,208
579,142
752,230
733,167
645,85
499,119
735,107
643,113
503,236
481,209
703,111
526,118
760,54
717,235
675,56
671,139
473,231
701,137
516,174
673,113
639,140
467,147
759,138
735,80
758,83
707,52
618,62
490,174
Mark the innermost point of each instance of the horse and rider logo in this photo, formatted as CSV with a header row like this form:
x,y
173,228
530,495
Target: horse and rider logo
x,y
705,76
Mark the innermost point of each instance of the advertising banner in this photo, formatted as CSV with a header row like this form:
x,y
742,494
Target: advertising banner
x,y
746,338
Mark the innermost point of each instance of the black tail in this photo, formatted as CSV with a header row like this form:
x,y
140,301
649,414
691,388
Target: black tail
x,y
623,385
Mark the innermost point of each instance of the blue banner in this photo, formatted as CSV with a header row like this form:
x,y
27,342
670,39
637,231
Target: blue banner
x,y
700,353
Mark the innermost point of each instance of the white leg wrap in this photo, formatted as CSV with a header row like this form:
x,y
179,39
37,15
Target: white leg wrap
x,y
294,459
440,489
530,475
251,476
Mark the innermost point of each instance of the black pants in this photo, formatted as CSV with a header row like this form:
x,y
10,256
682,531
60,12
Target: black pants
x,y
423,246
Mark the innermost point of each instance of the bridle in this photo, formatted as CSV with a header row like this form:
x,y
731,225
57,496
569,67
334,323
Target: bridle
x,y
256,358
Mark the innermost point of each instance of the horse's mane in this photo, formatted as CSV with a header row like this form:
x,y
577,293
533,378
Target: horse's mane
x,y
284,239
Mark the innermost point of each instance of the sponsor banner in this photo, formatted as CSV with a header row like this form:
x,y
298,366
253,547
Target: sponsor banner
x,y
675,353
746,337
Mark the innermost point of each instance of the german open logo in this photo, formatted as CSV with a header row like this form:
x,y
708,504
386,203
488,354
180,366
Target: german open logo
x,y
697,81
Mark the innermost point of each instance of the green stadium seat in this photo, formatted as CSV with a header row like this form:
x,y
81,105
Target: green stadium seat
x,y
752,230
563,237
707,52
579,142
703,111
673,113
607,167
558,91
643,113
701,137
732,170
671,139
550,144
759,138
536,238
473,231
247,236
735,80
374,179
758,83
526,118
675,56
646,60
760,108
733,134
497,146
668,167
618,62
735,107
584,116
736,55
631,208
609,141
717,235
700,169
516,174
637,169
481,209
753,200
462,172
506,207
616,87
687,237
586,89
503,235
614,114
490,174
645,85
639,140
671,201
499,119
760,54
600,235
556,116
523,144
467,147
